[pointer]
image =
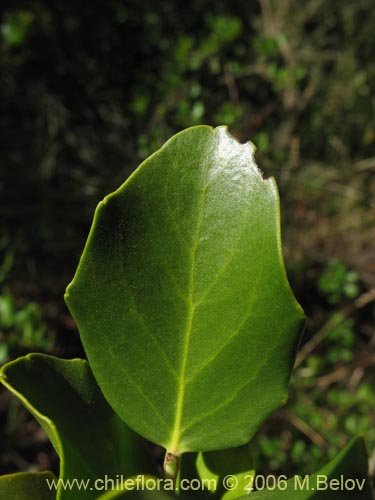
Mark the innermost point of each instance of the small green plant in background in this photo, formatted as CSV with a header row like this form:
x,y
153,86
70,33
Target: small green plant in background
x,y
337,282
191,332
21,328
15,26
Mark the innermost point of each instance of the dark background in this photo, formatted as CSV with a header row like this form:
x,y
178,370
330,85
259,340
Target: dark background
x,y
89,89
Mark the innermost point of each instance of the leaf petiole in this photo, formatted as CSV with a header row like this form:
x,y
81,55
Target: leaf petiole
x,y
171,466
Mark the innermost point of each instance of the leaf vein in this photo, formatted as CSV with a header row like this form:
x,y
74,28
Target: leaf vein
x,y
234,396
234,334
153,338
190,317
222,269
139,389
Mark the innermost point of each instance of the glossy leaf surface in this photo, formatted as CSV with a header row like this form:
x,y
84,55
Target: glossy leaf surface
x,y
27,486
181,296
90,439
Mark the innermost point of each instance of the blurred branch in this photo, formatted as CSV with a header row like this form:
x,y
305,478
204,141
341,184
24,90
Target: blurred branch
x,y
354,372
231,85
347,311
303,427
372,464
367,164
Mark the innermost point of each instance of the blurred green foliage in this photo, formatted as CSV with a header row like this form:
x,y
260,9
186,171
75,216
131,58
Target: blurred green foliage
x,y
331,399
15,26
89,89
338,282
21,327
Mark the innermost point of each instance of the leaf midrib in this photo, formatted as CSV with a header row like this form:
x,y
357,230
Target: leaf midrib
x,y
173,446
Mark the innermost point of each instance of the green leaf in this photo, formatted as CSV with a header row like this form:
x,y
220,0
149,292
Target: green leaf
x,y
90,439
138,495
26,486
216,469
181,296
140,488
344,478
